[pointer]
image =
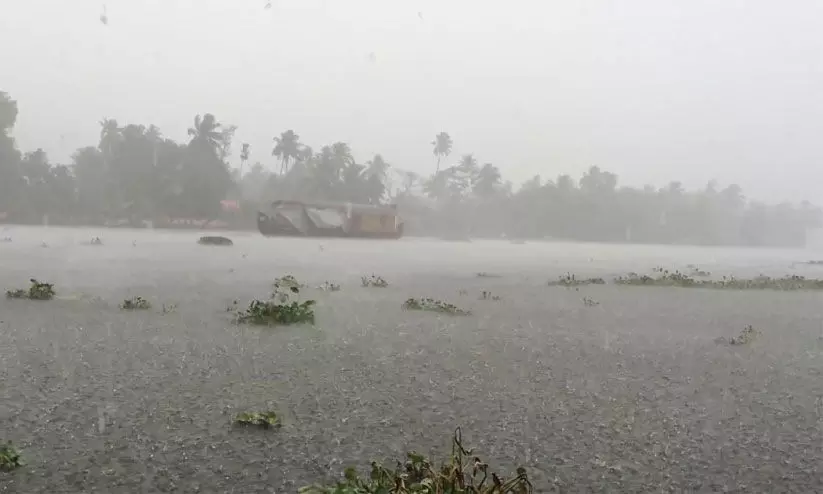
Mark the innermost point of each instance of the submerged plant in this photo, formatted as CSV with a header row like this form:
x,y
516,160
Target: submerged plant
x,y
463,473
748,335
274,313
264,420
328,286
18,293
9,457
287,282
373,281
135,303
569,280
483,274
486,295
37,291
433,305
678,279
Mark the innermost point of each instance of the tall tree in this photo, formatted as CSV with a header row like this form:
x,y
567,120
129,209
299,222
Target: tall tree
x,y
8,113
342,155
206,178
468,165
487,180
287,149
227,136
376,179
154,136
207,133
110,137
442,147
245,154
10,190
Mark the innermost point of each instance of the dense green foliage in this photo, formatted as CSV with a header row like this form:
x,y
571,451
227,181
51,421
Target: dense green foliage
x,y
676,278
135,303
36,291
434,305
264,420
9,457
463,473
134,173
281,308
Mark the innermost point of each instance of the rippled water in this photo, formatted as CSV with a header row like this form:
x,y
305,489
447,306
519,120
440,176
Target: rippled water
x,y
633,395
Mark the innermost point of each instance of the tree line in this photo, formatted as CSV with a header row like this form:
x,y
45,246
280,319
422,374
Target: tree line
x,y
134,172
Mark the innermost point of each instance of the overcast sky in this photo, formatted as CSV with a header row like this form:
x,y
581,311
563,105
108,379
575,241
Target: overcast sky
x,y
654,90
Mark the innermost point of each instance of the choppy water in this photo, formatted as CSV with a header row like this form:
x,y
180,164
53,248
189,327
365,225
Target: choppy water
x,y
125,251
633,395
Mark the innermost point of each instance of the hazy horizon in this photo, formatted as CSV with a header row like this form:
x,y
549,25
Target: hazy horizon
x,y
653,91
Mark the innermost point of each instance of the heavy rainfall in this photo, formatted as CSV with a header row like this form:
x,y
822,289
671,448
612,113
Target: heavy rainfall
x,y
365,247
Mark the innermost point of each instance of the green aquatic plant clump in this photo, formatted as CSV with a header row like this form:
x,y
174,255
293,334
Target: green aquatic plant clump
x,y
665,278
329,286
136,303
264,420
286,284
569,280
748,335
487,295
10,457
678,279
463,473
280,309
373,281
433,305
37,291
274,313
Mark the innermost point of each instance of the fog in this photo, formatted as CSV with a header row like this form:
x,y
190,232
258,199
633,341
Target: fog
x,y
653,91
248,244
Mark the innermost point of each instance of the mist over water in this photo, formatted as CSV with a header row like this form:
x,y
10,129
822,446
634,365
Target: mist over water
x,y
522,156
128,251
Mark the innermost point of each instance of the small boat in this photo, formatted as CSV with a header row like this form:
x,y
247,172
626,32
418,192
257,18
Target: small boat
x,y
290,218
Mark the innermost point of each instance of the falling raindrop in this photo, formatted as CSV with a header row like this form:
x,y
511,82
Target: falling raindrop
x,y
104,18
372,57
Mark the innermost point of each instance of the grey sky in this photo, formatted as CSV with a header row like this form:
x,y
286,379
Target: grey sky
x,y
653,90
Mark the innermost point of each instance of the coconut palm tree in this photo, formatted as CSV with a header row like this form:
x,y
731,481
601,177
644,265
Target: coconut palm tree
x,y
377,179
245,153
110,136
341,153
468,165
437,186
354,183
155,137
227,134
377,166
442,147
486,181
409,180
207,133
286,148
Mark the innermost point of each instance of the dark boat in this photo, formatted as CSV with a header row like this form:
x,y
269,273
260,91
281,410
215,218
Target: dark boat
x,y
288,218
